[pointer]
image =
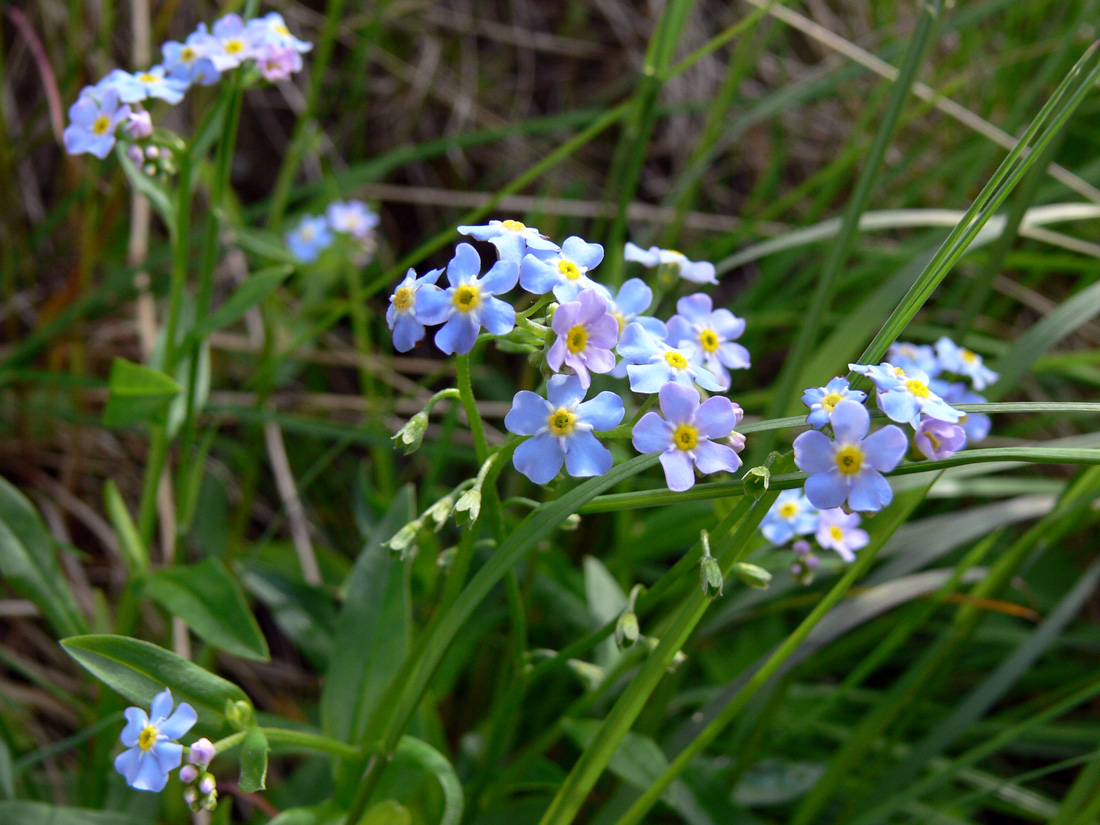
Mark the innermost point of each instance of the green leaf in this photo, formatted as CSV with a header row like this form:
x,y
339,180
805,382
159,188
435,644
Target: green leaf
x,y
209,600
137,393
265,244
253,291
254,761
140,670
435,763
130,544
375,623
42,813
150,188
7,776
776,782
28,561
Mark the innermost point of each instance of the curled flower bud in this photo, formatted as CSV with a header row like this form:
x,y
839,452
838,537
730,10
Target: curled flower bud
x,y
202,752
134,153
139,125
412,434
737,441
188,774
238,714
207,784
752,575
626,629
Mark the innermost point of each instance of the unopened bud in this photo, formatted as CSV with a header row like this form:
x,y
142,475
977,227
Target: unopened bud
x,y
207,784
412,434
210,801
149,169
139,125
626,629
801,547
710,577
188,774
752,575
135,154
201,752
737,441
191,797
238,714
152,152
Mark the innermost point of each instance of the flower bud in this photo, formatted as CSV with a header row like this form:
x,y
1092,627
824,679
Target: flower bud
x,y
191,797
210,801
238,714
710,577
207,784
626,629
139,125
202,752
412,434
589,673
737,441
134,153
469,504
752,575
152,152
440,512
570,523
188,774
801,547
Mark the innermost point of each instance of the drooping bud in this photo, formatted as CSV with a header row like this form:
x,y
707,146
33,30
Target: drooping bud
x,y
207,784
411,436
440,512
737,441
469,505
626,629
752,575
710,572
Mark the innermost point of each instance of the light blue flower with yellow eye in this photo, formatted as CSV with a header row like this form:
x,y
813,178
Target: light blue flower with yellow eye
x,y
270,31
185,61
958,359
634,297
821,400
562,425
310,238
401,315
566,273
153,753
712,332
910,357
94,120
700,272
791,515
352,217
837,530
513,239
228,45
651,363
905,395
468,304
850,468
154,82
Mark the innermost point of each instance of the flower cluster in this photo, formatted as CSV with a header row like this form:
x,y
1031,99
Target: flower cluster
x,y
316,233
115,102
585,330
793,515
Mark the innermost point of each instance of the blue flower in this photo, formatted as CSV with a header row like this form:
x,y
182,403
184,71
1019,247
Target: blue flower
x,y
310,238
512,239
851,467
468,305
905,395
937,439
712,333
840,531
699,272
975,425
910,357
958,359
685,437
157,84
229,45
634,297
791,515
562,428
152,752
566,273
94,119
821,400
270,31
401,313
587,333
352,217
651,363
185,61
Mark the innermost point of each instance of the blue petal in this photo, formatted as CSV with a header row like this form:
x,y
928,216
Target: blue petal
x,y
128,763
564,390
826,490
869,491
136,721
581,252
717,416
168,754
726,324
636,346
435,307
734,356
528,414
497,316
813,453
700,272
654,326
537,277
850,421
777,532
458,335
652,434
585,456
162,705
407,332
679,403
500,278
899,405
884,449
539,458
695,308
714,458
634,297
649,378
937,408
150,776
510,246
679,329
709,381
679,472
481,233
179,722
604,412
464,266
648,257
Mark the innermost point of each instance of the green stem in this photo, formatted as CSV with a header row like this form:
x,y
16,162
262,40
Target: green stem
x,y
469,403
296,739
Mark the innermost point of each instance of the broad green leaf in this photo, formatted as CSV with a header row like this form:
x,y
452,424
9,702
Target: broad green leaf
x,y
304,613
130,544
42,813
253,291
28,561
254,761
138,393
375,623
209,600
140,670
606,601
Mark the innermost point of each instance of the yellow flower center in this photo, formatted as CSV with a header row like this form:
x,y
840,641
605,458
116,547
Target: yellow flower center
x,y
831,400
146,77
968,356
620,320
849,459
308,233
676,360
403,298
898,372
279,28
918,388
466,298
513,226
708,339
569,270
561,422
234,46
101,125
576,339
836,533
674,252
788,510
187,54
147,738
685,437
935,442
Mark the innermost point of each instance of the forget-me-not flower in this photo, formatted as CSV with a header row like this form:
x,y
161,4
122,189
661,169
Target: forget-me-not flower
x,y
228,45
185,61
791,515
850,468
700,272
512,239
651,363
712,332
468,304
270,31
634,298
686,436
566,272
905,395
351,217
401,313
914,357
821,400
958,359
837,530
152,753
94,119
310,238
937,439
562,425
586,335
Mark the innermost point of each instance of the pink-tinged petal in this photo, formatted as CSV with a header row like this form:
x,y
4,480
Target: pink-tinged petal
x,y
717,416
179,722
884,449
679,403
857,539
593,305
599,360
652,434
869,492
585,456
565,317
679,472
714,458
539,458
603,333
850,421
555,357
813,453
825,490
136,721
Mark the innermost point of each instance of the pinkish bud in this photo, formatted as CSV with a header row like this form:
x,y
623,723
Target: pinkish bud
x,y
202,752
139,125
188,774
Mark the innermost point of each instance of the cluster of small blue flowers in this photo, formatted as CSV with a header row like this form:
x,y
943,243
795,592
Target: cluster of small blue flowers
x,y
590,330
153,753
916,385
112,103
315,233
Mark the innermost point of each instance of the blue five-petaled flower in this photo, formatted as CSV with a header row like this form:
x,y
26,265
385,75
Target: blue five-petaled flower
x,y
512,239
152,753
565,273
712,332
904,395
791,515
401,313
821,400
562,428
652,363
